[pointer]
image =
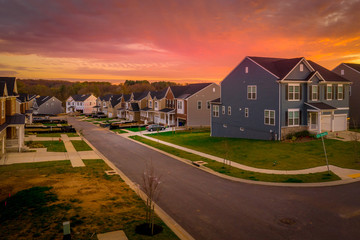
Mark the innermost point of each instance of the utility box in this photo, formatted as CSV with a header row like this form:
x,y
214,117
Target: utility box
x,y
66,227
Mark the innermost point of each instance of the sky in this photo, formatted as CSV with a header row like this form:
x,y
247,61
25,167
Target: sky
x,y
169,40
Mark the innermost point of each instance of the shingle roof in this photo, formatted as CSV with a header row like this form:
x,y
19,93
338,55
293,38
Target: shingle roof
x,y
135,107
321,106
106,97
10,85
354,66
2,88
159,94
217,100
81,98
140,95
188,90
23,97
16,119
127,97
115,100
328,75
166,110
146,109
41,100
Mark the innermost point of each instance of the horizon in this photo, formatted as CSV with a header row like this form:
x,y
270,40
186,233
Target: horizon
x,y
182,42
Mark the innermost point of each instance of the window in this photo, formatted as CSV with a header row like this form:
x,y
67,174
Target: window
x,y
215,111
223,110
199,105
314,92
208,104
340,92
328,92
2,109
156,104
301,67
294,92
179,105
251,92
213,89
293,118
224,125
104,104
150,104
342,72
90,103
246,112
269,117
229,110
246,69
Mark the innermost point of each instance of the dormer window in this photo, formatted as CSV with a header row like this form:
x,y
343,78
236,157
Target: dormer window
x,y
301,67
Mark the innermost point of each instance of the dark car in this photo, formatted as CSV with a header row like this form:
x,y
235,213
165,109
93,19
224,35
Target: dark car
x,y
99,115
155,127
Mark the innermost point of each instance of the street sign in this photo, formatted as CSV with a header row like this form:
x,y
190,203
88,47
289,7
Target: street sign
x,y
321,134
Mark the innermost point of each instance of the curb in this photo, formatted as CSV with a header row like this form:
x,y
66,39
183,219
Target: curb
x,y
169,221
322,184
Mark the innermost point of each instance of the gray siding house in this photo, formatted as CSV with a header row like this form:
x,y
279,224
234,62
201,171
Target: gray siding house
x,y
351,71
268,98
46,105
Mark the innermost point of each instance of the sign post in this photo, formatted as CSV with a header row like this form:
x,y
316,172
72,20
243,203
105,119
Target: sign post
x,y
322,139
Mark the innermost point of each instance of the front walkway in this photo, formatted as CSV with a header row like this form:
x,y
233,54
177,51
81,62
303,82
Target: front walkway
x,y
41,155
343,173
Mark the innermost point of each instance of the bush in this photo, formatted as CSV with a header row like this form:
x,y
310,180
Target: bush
x,y
296,135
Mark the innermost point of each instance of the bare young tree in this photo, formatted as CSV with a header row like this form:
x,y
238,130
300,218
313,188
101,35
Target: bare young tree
x,y
355,137
150,186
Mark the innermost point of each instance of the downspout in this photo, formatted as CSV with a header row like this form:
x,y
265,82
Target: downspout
x,y
279,137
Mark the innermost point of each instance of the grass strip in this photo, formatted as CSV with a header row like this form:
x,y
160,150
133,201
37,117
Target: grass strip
x,y
239,173
136,129
52,146
118,131
81,145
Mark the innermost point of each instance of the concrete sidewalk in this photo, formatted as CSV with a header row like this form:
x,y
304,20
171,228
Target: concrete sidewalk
x,y
343,173
72,153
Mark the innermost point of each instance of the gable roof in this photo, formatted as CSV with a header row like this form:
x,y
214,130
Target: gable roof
x,y
106,97
140,95
354,66
187,90
328,75
159,94
3,89
42,99
115,100
23,97
10,85
135,107
80,98
127,97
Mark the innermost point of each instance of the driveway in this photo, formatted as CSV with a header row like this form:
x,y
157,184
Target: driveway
x,y
209,207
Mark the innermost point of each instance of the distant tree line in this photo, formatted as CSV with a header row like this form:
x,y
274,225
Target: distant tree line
x,y
63,89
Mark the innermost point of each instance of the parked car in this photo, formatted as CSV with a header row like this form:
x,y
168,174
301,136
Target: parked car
x,y
155,127
99,115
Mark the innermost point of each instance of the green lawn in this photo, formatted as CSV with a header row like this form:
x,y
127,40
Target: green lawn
x,y
118,131
239,173
56,134
136,129
263,154
81,145
52,146
41,196
50,124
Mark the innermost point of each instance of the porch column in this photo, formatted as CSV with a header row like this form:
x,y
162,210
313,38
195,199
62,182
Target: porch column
x,y
18,133
332,121
319,121
168,119
3,145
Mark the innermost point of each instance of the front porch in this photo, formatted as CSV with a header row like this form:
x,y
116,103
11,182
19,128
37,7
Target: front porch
x,y
165,118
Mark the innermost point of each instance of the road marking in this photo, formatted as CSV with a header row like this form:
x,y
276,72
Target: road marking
x,y
356,175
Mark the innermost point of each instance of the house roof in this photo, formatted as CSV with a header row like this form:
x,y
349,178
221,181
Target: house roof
x,y
159,94
216,101
23,97
135,107
106,97
126,97
80,98
353,66
10,85
187,90
281,67
41,100
3,90
16,119
140,95
320,106
166,110
146,109
328,75
115,100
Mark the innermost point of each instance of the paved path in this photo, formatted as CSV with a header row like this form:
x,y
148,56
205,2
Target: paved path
x,y
210,207
343,173
74,156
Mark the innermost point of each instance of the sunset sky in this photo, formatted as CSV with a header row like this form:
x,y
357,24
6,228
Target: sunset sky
x,y
172,40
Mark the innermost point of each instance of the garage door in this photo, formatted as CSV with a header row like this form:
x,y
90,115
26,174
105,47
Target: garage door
x,y
340,123
325,123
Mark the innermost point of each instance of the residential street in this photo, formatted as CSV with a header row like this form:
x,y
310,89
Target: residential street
x,y
209,207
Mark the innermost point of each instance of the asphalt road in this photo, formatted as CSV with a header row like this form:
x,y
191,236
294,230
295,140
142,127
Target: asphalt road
x,y
209,207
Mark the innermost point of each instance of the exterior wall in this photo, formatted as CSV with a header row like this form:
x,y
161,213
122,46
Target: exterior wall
x,y
10,106
181,115
234,94
89,103
69,103
297,74
354,77
52,107
2,111
201,117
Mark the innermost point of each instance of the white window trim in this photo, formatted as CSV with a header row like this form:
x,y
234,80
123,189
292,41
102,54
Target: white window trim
x,y
251,92
342,92
246,112
216,110
229,110
223,110
269,124
327,92
208,105
293,85
293,110
317,93
199,107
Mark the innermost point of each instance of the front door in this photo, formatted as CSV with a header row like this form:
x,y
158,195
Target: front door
x,y
313,121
